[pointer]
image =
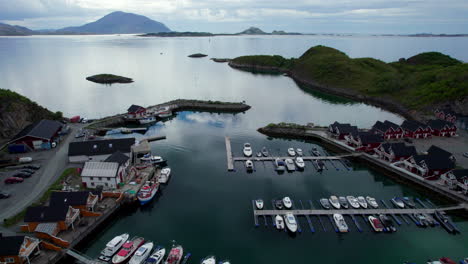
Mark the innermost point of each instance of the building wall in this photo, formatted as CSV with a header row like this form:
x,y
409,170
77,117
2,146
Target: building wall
x,y
16,259
83,158
93,182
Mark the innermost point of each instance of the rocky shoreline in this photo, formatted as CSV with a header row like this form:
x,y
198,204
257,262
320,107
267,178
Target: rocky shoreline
x,y
385,103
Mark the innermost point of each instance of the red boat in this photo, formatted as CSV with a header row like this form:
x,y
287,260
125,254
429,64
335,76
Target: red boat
x,y
147,192
127,250
175,255
376,224
447,261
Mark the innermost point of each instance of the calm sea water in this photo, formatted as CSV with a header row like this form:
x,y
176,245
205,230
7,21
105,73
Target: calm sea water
x,y
205,208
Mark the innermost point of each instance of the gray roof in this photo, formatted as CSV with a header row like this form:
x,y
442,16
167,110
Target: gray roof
x,y
100,147
44,129
118,157
100,169
48,228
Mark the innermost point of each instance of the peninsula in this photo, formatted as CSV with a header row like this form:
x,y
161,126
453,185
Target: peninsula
x,y
108,79
410,87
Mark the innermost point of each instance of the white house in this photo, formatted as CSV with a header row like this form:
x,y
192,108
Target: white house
x,y
105,174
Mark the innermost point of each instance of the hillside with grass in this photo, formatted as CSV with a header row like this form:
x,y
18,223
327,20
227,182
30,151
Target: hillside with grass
x,y
17,111
419,83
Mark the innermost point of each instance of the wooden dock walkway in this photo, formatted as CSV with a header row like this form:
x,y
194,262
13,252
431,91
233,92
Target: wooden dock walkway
x,y
81,257
230,163
288,157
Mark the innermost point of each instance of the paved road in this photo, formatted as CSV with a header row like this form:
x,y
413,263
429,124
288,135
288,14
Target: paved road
x,y
53,164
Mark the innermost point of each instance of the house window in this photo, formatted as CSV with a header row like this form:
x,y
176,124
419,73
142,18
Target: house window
x,y
92,184
9,260
100,178
106,184
108,179
91,178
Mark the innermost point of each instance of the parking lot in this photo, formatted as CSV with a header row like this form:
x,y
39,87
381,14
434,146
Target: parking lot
x,y
53,162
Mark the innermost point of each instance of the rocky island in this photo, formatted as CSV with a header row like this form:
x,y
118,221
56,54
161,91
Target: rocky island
x,y
411,87
108,79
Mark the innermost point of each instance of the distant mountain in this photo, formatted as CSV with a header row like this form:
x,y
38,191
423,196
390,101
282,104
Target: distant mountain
x,y
252,31
9,30
120,23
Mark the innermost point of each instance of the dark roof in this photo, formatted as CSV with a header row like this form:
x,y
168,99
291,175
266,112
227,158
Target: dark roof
x,y
10,245
118,157
400,149
434,150
45,129
391,124
419,158
379,126
69,198
367,138
134,108
439,124
46,214
435,162
460,173
100,147
412,125
347,128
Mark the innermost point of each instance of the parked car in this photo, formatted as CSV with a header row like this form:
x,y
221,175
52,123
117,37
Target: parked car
x,y
4,195
32,166
22,175
80,135
30,171
465,154
13,180
25,160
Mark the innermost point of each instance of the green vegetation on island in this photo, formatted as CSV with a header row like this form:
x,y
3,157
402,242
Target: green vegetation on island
x,y
108,79
416,83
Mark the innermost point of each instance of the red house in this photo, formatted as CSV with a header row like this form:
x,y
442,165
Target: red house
x,y
340,131
432,165
39,135
413,129
136,111
365,141
387,129
446,114
442,128
393,152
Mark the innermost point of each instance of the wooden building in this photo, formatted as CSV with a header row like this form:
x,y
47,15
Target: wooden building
x,y
136,111
442,128
413,129
43,134
18,249
393,152
388,130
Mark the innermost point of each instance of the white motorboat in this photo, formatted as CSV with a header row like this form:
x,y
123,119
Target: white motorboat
x,y
112,247
247,150
287,202
127,250
334,202
343,202
315,152
279,222
372,202
362,202
147,120
340,223
291,152
279,164
152,159
249,165
225,262
209,260
164,112
291,222
353,201
376,224
299,152
259,204
325,203
299,162
142,253
290,165
175,255
164,175
265,152
398,202
157,256
259,154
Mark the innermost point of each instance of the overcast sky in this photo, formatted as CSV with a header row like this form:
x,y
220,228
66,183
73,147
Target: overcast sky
x,y
309,16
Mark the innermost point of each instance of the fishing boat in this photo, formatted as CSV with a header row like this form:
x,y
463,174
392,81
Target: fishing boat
x,y
249,165
398,202
372,202
209,260
291,222
446,260
259,204
279,222
287,202
387,223
353,201
175,255
142,253
164,175
259,154
279,204
340,223
299,152
279,164
376,224
265,152
247,150
127,250
362,202
290,165
157,256
315,152
334,202
112,247
147,120
421,219
291,152
147,192
152,159
407,201
343,202
164,112
445,221
299,162
325,203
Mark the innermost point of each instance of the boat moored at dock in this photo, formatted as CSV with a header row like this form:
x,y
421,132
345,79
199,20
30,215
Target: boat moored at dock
x,y
259,204
265,152
209,260
407,201
152,159
113,246
157,256
287,202
164,175
279,204
127,250
362,202
147,120
299,152
340,223
249,165
398,202
175,255
247,150
334,202
325,203
142,253
343,202
376,224
299,163
372,202
291,222
147,192
279,222
290,165
279,164
444,220
353,201
387,223
291,152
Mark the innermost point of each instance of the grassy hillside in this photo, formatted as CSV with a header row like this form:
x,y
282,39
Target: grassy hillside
x,y
417,82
